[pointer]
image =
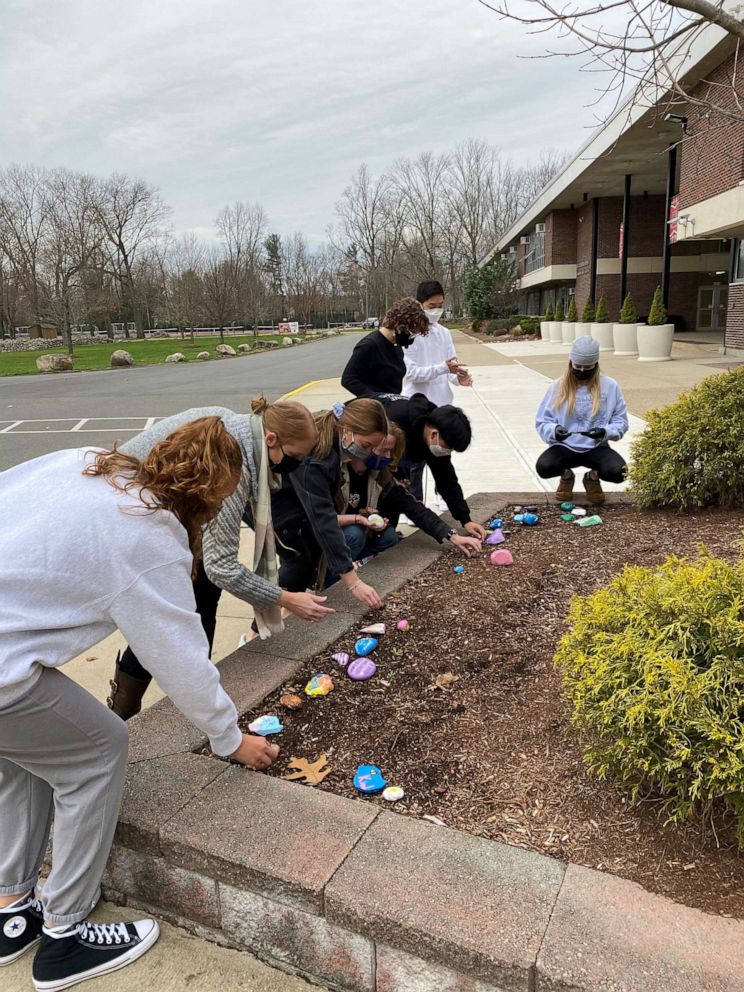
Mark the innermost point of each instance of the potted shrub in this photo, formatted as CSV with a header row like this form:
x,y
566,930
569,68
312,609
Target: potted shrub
x,y
655,341
556,328
601,328
587,316
546,322
625,332
569,324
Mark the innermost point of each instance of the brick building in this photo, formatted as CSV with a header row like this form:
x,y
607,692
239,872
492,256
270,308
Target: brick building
x,y
652,199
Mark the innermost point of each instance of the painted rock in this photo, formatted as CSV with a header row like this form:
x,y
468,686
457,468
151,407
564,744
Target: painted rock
x,y
567,506
589,521
403,625
266,725
342,658
496,537
369,780
458,569
291,702
365,645
530,519
376,521
578,511
502,557
374,628
496,524
319,685
517,509
518,518
568,517
361,669
393,793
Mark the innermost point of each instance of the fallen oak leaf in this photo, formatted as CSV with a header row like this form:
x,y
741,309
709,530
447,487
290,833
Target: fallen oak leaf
x,y
311,772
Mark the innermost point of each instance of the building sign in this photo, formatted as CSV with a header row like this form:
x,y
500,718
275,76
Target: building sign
x,y
672,221
622,239
582,267
288,327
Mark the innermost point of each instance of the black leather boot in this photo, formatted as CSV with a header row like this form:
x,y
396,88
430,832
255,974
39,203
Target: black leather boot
x,y
126,693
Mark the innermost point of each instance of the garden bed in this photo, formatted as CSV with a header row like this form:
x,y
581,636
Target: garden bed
x,y
492,752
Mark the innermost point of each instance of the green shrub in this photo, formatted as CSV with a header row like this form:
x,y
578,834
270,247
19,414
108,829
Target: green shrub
x,y
657,315
587,314
628,312
571,315
530,325
654,668
559,310
476,325
692,452
549,315
602,316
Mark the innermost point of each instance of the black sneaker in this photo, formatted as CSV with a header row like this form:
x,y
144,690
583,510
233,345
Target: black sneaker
x,y
86,950
20,928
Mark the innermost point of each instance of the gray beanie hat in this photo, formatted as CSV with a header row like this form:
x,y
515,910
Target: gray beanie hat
x,y
585,351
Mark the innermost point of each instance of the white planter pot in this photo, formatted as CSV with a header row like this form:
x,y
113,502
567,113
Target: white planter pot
x,y
555,331
580,329
603,334
655,343
545,329
567,331
625,339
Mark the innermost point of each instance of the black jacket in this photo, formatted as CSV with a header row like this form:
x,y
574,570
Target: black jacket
x,y
376,366
409,413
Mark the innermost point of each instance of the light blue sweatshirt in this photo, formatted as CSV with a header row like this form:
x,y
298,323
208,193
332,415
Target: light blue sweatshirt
x,y
612,415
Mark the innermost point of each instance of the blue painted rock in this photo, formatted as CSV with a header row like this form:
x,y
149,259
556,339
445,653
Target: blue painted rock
x,y
496,524
365,645
369,780
264,725
530,519
496,537
518,518
458,569
361,669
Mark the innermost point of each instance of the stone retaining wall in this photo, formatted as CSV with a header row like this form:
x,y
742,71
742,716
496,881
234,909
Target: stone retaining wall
x,y
365,900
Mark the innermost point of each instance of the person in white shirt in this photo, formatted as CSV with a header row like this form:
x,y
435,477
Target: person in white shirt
x,y
432,367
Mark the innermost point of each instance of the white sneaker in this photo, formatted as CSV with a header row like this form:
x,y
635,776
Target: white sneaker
x,y
439,504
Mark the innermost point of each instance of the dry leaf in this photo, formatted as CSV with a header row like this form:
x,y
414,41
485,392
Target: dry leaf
x,y
444,681
92,657
311,772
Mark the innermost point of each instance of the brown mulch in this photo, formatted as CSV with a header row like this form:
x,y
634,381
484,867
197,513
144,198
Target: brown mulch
x,y
493,338
493,752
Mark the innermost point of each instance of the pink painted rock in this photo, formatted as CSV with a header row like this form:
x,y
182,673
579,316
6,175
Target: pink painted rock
x,y
501,557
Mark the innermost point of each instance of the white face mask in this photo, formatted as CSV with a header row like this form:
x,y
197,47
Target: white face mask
x,y
438,451
434,316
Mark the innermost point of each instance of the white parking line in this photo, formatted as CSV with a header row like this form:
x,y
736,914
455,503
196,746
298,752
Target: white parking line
x,y
10,427
80,423
77,425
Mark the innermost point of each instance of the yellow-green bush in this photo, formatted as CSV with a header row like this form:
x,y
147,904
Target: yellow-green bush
x,y
654,668
691,454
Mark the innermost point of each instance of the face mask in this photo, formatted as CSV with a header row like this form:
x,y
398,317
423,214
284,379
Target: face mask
x,y
434,316
377,462
438,451
583,375
287,464
356,451
404,339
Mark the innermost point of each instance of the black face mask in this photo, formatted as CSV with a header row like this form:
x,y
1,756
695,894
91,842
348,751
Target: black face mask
x,y
287,464
404,339
583,375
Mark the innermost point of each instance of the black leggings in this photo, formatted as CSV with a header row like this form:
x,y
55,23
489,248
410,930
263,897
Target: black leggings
x,y
609,465
207,596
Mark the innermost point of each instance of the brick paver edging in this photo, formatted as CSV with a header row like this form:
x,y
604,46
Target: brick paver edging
x,y
365,900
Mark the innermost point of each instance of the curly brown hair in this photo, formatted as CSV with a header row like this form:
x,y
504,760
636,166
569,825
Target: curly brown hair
x,y
190,473
406,315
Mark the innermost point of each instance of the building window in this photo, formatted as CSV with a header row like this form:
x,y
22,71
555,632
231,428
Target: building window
x,y
737,267
535,255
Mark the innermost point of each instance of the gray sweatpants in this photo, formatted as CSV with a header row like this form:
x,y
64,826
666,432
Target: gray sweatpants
x,y
63,753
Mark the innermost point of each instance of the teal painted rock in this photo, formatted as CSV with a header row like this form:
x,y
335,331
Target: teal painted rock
x,y
369,780
365,645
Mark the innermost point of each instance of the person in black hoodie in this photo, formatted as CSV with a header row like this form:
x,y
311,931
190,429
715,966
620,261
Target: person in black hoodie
x,y
321,516
432,434
376,364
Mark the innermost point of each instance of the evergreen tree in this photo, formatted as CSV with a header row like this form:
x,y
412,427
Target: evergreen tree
x,y
587,314
657,315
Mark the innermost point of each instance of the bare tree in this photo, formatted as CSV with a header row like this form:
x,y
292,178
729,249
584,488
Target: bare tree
x,y
420,184
133,217
243,228
220,290
24,206
185,276
305,274
639,41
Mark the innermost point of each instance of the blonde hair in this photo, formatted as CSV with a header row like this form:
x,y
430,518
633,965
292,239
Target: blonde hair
x,y
290,421
362,416
567,385
189,473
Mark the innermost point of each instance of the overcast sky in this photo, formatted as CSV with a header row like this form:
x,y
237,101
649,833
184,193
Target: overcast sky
x,y
276,101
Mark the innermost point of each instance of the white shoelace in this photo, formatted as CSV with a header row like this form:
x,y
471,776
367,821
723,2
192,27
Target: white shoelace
x,y
104,933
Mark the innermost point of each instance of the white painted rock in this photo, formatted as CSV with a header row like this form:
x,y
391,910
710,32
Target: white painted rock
x,y
225,349
121,359
54,363
203,356
176,357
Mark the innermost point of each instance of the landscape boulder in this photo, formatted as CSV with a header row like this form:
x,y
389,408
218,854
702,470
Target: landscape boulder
x,y
225,350
54,363
287,342
244,348
176,357
121,359
203,356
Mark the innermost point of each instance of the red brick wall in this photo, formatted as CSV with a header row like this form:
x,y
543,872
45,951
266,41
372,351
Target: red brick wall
x,y
583,255
713,150
560,237
735,317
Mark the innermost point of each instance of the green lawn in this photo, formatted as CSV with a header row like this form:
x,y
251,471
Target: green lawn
x,y
98,356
